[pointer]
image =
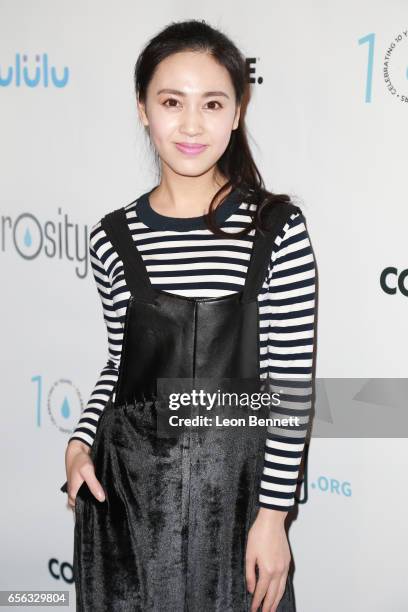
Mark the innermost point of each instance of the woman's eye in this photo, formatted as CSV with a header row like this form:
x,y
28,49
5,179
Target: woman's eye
x,y
170,100
173,100
215,102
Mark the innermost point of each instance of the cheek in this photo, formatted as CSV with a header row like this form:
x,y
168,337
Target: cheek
x,y
157,133
161,129
221,137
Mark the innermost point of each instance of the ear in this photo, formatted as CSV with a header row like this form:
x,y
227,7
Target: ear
x,y
236,118
142,112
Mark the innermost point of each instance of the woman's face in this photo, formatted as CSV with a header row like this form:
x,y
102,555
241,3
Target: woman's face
x,y
190,100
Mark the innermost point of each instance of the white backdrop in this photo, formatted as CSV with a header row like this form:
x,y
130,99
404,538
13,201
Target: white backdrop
x,y
327,128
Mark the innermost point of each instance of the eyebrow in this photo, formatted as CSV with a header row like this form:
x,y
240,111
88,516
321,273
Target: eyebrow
x,y
205,94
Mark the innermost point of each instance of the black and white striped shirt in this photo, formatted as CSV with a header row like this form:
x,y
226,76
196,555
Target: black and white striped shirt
x,y
183,257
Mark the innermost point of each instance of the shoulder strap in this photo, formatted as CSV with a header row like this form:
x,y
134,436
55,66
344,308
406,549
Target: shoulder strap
x,y
276,218
116,228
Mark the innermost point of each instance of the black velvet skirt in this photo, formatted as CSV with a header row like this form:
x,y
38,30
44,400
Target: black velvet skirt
x,y
171,533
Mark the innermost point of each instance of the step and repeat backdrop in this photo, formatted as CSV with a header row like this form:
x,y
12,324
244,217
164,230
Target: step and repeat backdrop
x,y
328,124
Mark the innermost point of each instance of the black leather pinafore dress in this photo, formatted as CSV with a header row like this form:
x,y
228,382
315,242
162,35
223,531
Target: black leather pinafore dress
x,y
171,534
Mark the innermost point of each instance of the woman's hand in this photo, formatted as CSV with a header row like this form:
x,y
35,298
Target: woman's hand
x,y
268,548
80,468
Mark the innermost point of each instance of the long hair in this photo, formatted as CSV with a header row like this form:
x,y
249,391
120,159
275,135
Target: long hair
x,y
236,163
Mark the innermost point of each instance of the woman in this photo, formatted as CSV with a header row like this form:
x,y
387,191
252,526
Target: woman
x,y
207,275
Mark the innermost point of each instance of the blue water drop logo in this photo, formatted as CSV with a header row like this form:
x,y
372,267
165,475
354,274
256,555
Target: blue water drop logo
x,y
27,238
65,409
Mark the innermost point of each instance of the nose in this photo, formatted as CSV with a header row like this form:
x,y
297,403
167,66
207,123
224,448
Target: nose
x,y
191,121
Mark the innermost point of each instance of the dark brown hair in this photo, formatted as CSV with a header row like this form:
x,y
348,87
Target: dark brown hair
x,y
236,163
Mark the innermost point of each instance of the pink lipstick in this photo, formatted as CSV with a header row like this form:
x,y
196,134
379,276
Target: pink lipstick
x,y
189,148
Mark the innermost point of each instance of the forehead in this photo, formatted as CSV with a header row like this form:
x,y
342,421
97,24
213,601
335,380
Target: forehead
x,y
191,72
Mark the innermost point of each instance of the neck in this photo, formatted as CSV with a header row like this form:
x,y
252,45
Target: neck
x,y
185,196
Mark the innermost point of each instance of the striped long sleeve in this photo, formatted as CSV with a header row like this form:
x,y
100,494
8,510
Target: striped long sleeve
x,y
287,335
86,427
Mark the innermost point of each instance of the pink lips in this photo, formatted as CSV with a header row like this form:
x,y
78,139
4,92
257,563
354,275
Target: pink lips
x,y
190,149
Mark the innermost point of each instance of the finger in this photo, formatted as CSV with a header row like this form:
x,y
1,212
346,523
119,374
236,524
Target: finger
x,y
260,590
88,476
275,600
250,576
274,594
72,492
76,481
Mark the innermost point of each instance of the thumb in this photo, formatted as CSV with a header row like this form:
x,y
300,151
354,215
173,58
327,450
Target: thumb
x,y
93,484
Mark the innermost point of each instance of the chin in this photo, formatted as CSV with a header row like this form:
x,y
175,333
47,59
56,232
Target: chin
x,y
190,168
